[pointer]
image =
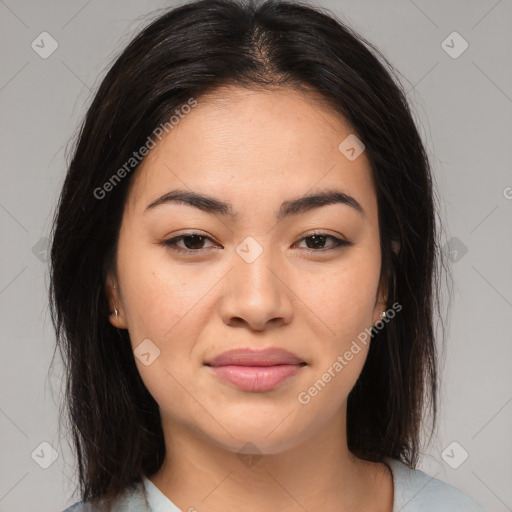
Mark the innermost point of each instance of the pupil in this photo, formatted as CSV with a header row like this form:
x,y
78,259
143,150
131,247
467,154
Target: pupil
x,y
196,239
316,240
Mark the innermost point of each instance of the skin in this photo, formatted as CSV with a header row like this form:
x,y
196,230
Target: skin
x,y
254,149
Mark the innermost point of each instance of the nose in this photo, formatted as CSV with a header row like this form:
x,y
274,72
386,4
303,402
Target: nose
x,y
256,294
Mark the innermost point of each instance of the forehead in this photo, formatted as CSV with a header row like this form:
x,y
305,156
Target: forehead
x,y
245,145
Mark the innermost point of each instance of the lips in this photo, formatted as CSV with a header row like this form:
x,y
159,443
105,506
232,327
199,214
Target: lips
x,y
256,370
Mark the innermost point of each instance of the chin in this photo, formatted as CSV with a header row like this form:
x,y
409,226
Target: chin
x,y
263,434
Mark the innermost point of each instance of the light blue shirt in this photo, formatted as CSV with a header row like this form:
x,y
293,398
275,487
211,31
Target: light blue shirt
x,y
414,491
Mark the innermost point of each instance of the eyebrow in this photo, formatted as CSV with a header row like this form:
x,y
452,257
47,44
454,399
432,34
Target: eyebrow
x,y
289,208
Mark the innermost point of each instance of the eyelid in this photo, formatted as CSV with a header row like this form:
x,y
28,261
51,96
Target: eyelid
x,y
323,232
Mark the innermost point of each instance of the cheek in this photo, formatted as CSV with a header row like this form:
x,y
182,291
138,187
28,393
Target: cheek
x,y
169,306
342,296
163,306
156,295
345,303
325,391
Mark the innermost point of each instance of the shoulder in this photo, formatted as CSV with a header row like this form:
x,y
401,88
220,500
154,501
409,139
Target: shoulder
x,y
415,491
133,499
79,506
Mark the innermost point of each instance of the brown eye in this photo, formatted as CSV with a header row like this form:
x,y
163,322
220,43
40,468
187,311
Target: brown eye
x,y
192,243
316,242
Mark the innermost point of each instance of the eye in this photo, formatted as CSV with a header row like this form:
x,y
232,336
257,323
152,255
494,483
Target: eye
x,y
193,242
316,242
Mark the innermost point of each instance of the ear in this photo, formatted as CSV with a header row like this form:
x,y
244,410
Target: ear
x,y
380,302
114,302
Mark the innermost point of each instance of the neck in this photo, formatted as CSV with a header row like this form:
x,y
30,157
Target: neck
x,y
320,473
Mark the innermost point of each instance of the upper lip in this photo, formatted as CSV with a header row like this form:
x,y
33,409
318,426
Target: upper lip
x,y
255,357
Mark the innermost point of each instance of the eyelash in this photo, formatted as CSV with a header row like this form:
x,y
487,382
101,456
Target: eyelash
x,y
171,243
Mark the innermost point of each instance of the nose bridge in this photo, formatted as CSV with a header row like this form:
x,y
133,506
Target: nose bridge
x,y
252,265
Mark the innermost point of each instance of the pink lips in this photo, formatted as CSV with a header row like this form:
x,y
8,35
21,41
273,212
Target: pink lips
x,y
256,370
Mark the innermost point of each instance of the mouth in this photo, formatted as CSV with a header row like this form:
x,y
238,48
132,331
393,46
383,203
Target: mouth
x,y
255,370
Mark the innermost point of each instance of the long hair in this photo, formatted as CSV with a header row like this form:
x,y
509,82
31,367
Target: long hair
x,y
186,52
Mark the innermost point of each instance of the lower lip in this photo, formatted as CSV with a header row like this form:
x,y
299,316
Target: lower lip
x,y
256,378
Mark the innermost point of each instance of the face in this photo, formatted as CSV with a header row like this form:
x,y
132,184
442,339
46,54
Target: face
x,y
254,273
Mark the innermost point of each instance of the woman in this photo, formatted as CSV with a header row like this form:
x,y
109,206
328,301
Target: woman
x,y
244,273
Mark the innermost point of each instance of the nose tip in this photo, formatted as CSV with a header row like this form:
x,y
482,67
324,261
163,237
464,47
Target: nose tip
x,y
254,294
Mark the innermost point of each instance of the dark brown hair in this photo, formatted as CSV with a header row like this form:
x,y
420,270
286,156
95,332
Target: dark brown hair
x,y
186,52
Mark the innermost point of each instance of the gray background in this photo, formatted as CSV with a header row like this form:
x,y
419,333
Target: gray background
x,y
463,107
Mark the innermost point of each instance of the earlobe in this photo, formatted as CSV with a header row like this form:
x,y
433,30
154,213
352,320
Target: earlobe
x,y
116,320
381,311
115,317
381,302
